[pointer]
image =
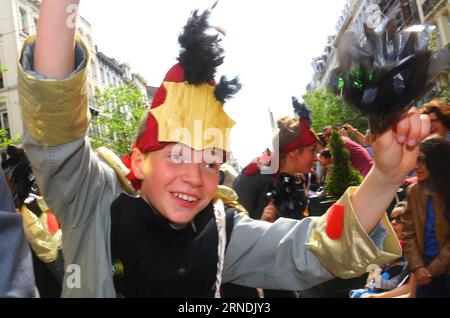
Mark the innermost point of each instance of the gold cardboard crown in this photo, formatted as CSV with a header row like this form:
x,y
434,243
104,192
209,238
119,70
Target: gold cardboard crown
x,y
192,115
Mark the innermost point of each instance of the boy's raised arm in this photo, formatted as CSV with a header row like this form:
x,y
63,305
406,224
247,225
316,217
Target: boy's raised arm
x,y
395,155
55,43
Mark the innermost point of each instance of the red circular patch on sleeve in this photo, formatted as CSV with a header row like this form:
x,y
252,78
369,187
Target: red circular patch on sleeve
x,y
335,221
52,223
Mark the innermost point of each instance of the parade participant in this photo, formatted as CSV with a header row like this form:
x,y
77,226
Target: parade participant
x,y
326,162
17,278
174,238
40,226
282,193
359,156
439,112
394,278
427,230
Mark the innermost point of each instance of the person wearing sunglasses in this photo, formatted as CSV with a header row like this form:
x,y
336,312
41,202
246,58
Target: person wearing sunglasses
x,y
427,230
439,112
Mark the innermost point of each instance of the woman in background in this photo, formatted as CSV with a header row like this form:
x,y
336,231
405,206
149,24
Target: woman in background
x,y
427,231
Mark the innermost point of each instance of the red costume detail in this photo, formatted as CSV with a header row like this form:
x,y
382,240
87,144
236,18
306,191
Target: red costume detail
x,y
135,182
335,221
52,223
306,138
251,169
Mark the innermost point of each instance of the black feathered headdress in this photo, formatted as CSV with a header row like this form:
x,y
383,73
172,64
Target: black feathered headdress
x,y
301,110
306,135
189,95
387,74
201,54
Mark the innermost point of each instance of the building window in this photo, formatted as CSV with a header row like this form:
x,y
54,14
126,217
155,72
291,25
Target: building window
x,y
2,84
94,69
94,128
4,122
89,38
91,96
448,22
36,21
23,21
102,74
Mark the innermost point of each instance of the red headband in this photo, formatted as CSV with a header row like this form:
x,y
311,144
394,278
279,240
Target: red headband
x,y
306,138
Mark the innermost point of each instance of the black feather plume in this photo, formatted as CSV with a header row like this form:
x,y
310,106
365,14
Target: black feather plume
x,y
301,110
226,89
388,73
201,53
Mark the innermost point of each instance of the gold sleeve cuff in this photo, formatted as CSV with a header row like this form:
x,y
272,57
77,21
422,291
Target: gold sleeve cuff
x,y
54,111
351,254
43,243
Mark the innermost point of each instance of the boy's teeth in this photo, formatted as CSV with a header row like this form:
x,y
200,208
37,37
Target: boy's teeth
x,y
185,197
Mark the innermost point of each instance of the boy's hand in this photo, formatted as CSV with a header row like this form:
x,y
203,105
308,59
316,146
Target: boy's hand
x,y
395,153
396,150
54,55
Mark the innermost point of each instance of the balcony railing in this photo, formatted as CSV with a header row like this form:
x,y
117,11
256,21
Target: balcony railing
x,y
429,5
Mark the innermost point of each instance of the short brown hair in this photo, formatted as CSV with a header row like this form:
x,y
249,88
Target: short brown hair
x,y
288,131
441,109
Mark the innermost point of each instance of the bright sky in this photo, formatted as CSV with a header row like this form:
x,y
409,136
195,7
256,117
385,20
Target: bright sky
x,y
269,44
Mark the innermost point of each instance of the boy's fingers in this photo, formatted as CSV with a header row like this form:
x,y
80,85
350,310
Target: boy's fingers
x,y
414,128
425,126
402,129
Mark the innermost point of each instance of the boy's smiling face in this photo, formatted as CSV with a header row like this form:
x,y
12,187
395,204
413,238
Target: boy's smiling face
x,y
177,180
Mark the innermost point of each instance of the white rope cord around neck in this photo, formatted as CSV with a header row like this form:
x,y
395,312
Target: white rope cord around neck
x,y
219,212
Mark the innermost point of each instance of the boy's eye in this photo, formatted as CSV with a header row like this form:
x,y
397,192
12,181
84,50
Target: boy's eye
x,y
176,158
211,165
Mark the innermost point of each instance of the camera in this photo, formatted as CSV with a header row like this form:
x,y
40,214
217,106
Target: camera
x,y
289,196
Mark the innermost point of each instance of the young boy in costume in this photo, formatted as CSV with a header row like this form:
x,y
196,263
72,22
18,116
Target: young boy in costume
x,y
177,238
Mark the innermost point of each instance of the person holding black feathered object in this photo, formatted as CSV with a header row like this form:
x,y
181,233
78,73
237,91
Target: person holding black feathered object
x,y
39,224
17,277
388,73
282,193
177,237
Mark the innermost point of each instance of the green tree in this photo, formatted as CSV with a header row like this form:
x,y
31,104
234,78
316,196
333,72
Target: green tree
x,y
436,93
328,109
433,43
343,175
5,141
444,93
124,106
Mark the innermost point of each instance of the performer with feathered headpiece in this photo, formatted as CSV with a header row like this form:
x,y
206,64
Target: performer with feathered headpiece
x,y
178,237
